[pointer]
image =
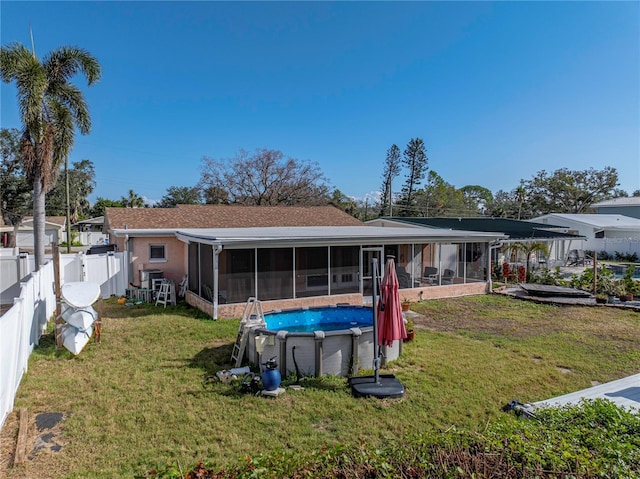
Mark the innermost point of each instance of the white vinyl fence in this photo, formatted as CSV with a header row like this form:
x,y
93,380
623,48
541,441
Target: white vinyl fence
x,y
35,303
86,238
20,330
613,245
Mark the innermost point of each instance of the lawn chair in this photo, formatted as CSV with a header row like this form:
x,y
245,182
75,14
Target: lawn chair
x,y
447,277
430,275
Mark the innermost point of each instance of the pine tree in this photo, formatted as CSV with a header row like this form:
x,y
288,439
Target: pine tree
x,y
415,159
392,167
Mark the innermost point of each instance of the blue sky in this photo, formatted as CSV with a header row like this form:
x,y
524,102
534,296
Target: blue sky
x,y
497,91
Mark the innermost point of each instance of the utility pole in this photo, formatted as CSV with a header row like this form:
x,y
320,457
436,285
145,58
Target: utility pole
x,y
66,168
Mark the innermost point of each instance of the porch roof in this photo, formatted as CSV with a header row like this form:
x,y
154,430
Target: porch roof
x,y
516,230
329,235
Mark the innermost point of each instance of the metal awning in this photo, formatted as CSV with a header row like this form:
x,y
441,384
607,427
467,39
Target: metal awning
x,y
330,235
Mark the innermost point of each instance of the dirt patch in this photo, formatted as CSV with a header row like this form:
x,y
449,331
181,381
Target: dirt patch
x,y
8,438
44,436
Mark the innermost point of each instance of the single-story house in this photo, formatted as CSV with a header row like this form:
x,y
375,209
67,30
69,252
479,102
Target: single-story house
x,y
558,242
149,234
626,206
54,231
601,232
294,256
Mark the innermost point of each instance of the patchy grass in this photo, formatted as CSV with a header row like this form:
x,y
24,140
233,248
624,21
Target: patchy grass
x,y
138,398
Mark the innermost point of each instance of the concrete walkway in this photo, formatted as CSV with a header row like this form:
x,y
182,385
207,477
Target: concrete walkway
x,y
624,392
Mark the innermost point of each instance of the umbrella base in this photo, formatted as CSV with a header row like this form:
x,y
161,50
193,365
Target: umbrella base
x,y
386,387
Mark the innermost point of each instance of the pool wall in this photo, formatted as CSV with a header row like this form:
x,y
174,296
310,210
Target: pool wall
x,y
335,353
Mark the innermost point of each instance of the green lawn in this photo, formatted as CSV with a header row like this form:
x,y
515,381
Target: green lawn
x,y
138,398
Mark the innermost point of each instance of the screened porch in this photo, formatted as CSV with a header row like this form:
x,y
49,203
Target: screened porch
x,y
305,271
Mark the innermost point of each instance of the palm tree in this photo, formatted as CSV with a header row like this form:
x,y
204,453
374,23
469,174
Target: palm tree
x,y
50,108
132,200
527,249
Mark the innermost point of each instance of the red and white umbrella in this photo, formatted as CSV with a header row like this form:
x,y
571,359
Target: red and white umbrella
x,y
390,319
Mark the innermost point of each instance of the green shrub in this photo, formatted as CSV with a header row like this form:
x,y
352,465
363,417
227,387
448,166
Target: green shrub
x,y
549,277
593,439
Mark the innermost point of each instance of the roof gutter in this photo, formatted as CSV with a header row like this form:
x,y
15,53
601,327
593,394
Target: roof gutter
x,y
122,232
333,240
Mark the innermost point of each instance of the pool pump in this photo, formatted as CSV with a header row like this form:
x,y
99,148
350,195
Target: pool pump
x,y
271,375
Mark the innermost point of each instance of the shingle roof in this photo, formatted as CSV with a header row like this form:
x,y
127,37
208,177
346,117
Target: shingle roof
x,y
58,220
515,229
226,216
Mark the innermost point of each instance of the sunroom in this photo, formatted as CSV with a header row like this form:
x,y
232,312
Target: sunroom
x,y
309,266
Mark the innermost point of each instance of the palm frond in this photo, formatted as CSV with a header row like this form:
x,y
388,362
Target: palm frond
x,y
64,133
71,97
11,57
65,62
18,64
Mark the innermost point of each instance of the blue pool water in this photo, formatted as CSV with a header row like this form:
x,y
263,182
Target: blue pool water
x,y
619,270
328,318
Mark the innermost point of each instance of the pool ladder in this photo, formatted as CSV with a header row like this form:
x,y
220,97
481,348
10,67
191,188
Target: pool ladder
x,y
252,318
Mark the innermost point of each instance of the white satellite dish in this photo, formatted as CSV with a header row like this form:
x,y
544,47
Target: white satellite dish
x,y
80,318
75,339
80,294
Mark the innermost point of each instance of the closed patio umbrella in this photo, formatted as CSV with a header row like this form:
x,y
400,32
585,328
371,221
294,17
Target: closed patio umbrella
x,y
392,325
390,320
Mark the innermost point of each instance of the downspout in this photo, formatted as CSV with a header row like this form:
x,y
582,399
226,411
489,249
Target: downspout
x,y
129,269
217,249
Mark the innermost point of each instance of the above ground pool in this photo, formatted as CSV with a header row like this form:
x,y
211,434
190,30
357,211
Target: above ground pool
x,y
324,319
330,340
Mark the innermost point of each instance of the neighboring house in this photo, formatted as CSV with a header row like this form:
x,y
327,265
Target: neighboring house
x,y
558,243
627,206
610,233
294,256
54,231
89,232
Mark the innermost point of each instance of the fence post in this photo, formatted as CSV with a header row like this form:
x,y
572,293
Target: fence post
x,y
23,265
56,280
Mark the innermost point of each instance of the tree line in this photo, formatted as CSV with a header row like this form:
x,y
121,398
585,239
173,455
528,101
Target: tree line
x,y
268,178
52,108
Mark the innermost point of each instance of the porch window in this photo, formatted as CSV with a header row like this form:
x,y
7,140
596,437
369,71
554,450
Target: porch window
x,y
448,263
206,272
345,263
236,275
275,273
157,253
194,268
427,263
312,272
474,261
404,267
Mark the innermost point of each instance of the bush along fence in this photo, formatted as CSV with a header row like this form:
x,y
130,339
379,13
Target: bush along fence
x,y
594,439
35,303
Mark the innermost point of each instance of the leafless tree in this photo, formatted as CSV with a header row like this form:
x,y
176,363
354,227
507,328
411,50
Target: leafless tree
x,y
264,177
